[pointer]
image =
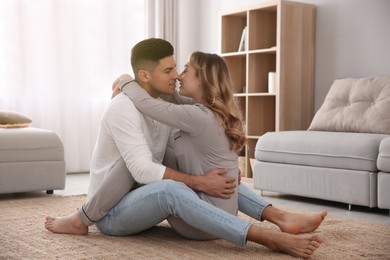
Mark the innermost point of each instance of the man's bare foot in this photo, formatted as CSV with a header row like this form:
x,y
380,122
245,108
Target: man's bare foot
x,y
294,223
301,245
71,224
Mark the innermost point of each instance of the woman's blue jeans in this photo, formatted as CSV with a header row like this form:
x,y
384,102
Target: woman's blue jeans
x,y
150,204
250,203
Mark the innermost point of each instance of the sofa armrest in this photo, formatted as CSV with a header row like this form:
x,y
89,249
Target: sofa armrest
x,y
383,161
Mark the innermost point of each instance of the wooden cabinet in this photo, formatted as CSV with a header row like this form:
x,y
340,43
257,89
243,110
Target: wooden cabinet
x,y
279,37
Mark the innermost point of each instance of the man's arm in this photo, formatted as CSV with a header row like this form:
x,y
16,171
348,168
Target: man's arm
x,y
124,123
212,183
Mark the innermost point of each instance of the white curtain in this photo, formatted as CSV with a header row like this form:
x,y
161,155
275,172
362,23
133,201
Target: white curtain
x,y
58,59
162,20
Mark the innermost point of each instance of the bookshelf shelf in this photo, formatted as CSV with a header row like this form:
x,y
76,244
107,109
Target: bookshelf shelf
x,y
279,38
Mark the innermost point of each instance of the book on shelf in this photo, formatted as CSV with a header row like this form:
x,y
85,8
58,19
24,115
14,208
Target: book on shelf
x,y
241,47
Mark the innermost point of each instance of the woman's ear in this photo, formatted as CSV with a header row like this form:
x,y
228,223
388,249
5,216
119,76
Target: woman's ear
x,y
144,76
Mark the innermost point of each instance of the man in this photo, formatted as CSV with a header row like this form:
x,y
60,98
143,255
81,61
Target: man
x,y
130,141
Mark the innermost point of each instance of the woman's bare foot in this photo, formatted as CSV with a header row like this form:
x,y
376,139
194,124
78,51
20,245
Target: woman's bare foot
x,y
294,223
301,245
71,224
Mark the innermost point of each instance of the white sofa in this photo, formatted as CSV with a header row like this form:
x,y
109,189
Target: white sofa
x,y
384,174
344,156
31,159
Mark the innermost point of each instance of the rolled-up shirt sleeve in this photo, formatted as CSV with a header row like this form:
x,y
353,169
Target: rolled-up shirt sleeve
x,y
125,124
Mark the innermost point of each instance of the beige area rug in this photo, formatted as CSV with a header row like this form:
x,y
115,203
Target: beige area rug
x,y
23,236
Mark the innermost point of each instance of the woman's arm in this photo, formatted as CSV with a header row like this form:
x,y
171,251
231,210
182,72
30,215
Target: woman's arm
x,y
178,99
189,118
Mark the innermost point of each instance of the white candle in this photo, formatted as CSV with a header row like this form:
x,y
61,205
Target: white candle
x,y
271,82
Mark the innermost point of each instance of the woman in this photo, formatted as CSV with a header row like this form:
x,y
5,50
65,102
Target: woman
x,y
211,136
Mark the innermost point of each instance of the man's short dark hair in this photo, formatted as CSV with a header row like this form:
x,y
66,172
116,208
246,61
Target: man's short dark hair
x,y
149,51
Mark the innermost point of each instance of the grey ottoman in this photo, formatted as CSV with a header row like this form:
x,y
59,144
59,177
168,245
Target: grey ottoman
x,y
31,159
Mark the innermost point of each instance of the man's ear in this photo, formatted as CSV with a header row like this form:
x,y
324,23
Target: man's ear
x,y
144,76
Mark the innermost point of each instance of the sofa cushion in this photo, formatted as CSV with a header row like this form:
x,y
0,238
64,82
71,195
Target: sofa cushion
x,y
29,144
384,155
356,105
353,151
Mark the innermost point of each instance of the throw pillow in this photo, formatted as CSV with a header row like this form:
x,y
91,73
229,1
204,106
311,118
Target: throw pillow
x,y
356,105
11,119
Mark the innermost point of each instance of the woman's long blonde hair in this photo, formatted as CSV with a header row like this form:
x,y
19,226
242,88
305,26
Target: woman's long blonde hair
x,y
217,88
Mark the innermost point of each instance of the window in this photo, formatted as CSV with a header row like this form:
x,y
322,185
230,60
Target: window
x,y
58,59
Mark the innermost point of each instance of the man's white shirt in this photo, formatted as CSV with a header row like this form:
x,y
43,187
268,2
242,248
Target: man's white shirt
x,y
126,132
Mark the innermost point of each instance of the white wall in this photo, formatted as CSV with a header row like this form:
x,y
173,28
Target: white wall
x,y
352,36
